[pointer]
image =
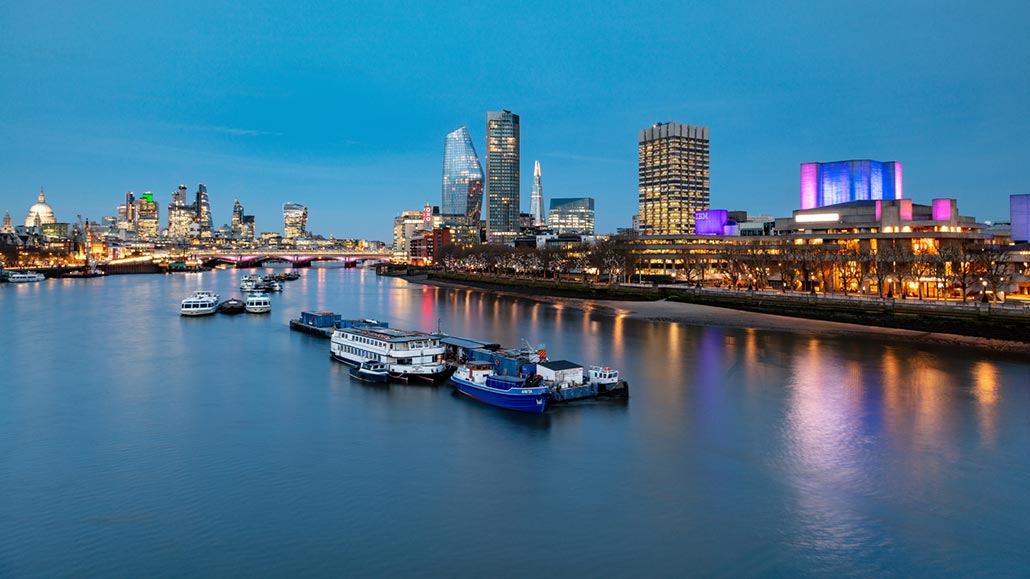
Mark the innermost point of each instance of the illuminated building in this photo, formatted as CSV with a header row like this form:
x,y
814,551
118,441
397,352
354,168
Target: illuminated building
x,y
1019,217
503,137
843,181
295,220
180,216
536,202
148,222
202,211
462,177
571,215
673,177
405,227
422,247
7,227
127,212
236,223
41,213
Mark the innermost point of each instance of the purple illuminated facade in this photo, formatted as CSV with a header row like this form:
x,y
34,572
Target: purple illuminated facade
x,y
942,209
712,222
843,181
1019,215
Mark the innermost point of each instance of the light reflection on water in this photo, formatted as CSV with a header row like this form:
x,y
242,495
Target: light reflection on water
x,y
136,442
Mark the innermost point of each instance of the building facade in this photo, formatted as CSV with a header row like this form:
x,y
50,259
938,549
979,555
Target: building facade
x,y
295,220
843,181
148,220
571,215
180,216
405,227
423,247
462,176
41,213
202,212
1019,217
503,137
673,177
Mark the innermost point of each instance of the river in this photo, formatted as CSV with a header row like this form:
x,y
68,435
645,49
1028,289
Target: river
x,y
135,442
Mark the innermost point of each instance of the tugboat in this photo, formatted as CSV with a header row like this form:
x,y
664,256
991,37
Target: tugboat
x,y
232,306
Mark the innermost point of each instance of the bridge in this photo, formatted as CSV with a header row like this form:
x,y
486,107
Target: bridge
x,y
265,257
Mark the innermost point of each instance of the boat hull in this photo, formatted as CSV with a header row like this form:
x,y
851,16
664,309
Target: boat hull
x,y
514,399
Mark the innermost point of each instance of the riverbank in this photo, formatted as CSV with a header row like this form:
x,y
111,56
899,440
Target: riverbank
x,y
667,310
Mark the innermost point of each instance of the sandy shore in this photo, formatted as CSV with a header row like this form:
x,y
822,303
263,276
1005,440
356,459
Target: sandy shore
x,y
701,315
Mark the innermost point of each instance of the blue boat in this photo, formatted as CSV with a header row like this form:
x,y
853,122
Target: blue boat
x,y
370,372
477,380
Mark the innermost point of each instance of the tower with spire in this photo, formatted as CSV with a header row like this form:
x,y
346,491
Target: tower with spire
x,y
536,202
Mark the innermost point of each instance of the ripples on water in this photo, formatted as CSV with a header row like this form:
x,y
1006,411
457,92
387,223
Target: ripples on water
x,y
134,442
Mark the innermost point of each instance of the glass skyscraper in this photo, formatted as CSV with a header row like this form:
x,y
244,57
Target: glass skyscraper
x,y
295,220
571,215
462,177
844,181
536,201
502,176
202,206
674,178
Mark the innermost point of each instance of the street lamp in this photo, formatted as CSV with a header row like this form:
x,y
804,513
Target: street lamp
x,y
890,287
983,292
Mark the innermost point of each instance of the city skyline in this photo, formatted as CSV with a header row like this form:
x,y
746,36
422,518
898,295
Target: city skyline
x,y
318,122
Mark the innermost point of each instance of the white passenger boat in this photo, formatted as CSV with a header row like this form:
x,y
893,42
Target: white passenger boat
x,y
249,282
408,355
201,303
258,304
26,277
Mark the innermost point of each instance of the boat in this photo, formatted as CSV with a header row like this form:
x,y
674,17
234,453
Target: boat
x,y
408,354
26,277
258,304
479,381
370,372
248,283
201,303
323,324
567,381
232,306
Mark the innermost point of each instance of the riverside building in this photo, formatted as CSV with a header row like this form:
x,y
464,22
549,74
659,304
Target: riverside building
x,y
673,178
842,181
503,136
571,215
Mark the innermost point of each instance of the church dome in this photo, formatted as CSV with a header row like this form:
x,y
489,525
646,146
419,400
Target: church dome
x,y
42,211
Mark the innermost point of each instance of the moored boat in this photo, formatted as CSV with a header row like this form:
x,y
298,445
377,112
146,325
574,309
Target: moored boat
x,y
478,381
232,306
258,304
201,303
370,372
25,277
408,355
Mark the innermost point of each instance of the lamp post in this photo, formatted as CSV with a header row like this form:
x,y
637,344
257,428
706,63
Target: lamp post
x,y
983,292
890,287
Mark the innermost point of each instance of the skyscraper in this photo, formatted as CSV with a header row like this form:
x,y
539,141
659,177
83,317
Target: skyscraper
x,y
127,213
462,176
843,181
180,216
674,178
502,176
148,222
295,220
536,202
236,224
202,208
571,215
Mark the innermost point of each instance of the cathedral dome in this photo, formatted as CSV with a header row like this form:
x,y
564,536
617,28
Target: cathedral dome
x,y
42,211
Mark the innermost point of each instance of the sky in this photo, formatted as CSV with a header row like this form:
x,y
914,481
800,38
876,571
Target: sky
x,y
343,107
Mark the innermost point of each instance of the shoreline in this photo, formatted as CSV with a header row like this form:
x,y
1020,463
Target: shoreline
x,y
664,311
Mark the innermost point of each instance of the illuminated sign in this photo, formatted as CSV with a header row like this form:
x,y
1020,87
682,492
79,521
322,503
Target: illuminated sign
x,y
817,217
427,214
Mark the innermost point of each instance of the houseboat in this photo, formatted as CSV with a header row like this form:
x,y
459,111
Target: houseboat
x,y
408,354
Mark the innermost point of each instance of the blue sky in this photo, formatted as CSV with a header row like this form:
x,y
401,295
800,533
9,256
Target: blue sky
x,y
344,106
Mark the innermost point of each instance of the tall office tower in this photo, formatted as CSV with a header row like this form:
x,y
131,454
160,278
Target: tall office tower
x,y
462,176
249,227
295,220
127,212
148,222
180,216
502,176
674,181
572,215
536,202
202,206
843,181
236,224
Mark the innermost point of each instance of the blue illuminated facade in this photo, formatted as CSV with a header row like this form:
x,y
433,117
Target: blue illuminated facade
x,y
843,181
1019,214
